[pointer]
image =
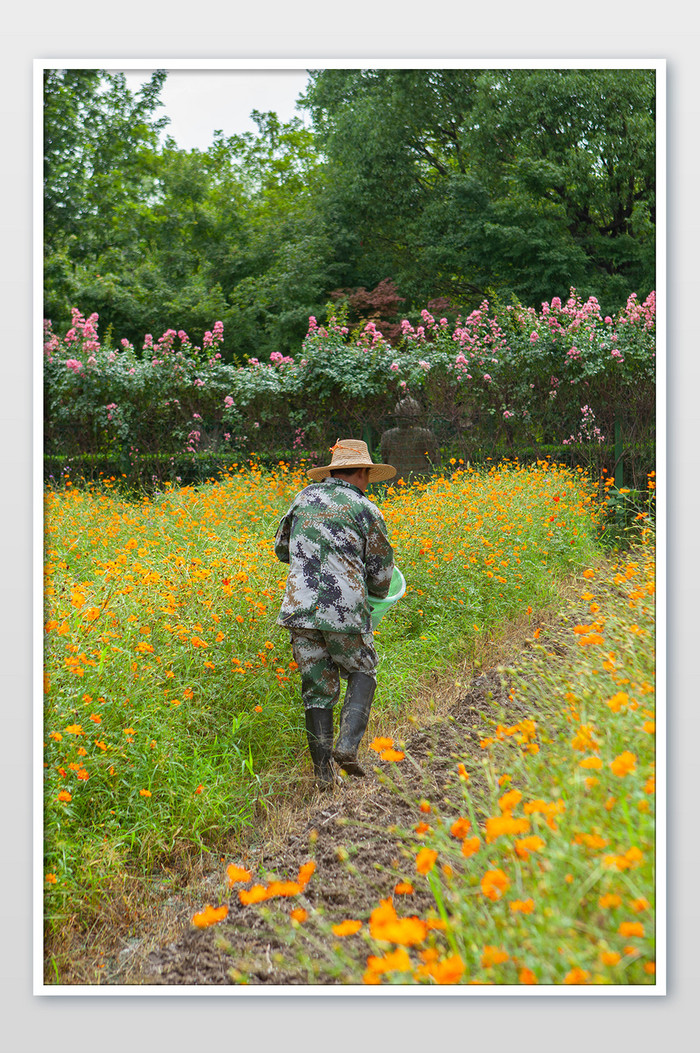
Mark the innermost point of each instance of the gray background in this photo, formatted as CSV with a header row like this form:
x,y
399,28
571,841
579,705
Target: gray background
x,y
367,30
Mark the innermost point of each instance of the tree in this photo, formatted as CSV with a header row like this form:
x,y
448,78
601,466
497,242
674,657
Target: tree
x,y
456,182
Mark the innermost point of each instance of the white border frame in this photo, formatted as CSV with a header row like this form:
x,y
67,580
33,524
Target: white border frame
x,y
657,989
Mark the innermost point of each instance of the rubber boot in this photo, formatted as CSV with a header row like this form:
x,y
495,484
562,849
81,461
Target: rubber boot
x,y
319,734
353,722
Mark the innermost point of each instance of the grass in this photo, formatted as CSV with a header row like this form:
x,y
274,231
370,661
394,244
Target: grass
x,y
538,853
171,702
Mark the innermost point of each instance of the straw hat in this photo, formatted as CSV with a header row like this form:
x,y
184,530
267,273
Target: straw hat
x,y
352,453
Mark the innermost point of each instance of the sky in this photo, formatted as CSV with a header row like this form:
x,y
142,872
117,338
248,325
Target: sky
x,y
200,101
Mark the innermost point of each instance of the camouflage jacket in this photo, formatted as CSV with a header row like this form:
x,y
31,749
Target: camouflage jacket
x,y
335,541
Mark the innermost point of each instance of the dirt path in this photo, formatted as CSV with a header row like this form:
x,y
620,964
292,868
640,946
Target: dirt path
x,y
353,825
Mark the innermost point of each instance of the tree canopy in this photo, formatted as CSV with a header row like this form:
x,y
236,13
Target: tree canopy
x,y
433,184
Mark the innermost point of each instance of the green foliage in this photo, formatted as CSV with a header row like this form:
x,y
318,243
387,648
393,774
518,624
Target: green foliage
x,y
459,184
506,376
528,181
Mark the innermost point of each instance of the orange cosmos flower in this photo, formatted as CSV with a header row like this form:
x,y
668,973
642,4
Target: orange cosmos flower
x,y
392,755
494,883
236,874
256,894
631,928
499,825
462,772
584,740
610,957
403,888
425,860
470,846
425,806
650,968
209,916
395,961
493,956
460,828
305,872
384,924
145,793
283,888
591,762
421,828
623,764
618,701
380,744
346,928
528,844
447,971
609,900
51,879
64,796
509,800
638,905
74,729
299,914
523,906
526,976
577,976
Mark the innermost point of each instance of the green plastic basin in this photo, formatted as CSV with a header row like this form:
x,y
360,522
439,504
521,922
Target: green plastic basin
x,y
378,608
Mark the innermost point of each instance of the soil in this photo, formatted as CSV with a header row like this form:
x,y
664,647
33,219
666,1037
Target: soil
x,y
357,821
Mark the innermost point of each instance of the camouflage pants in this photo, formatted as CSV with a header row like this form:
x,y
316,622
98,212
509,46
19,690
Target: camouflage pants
x,y
324,657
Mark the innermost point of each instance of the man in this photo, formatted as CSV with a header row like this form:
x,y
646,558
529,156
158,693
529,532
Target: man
x,y
335,541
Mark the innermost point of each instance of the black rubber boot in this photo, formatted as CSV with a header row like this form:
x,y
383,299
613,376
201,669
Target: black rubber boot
x,y
353,722
319,734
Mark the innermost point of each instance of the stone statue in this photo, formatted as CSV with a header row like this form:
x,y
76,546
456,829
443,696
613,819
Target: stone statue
x,y
411,449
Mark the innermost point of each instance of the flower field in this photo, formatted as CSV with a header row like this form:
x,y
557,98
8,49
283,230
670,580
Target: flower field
x,y
172,711
534,863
